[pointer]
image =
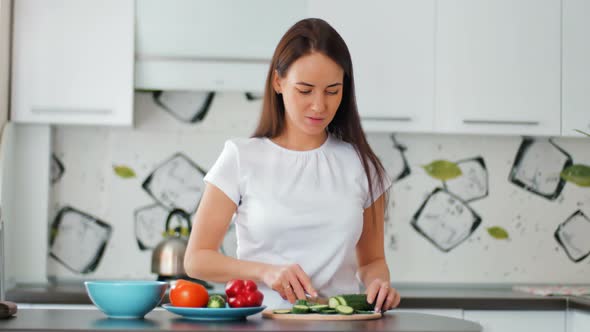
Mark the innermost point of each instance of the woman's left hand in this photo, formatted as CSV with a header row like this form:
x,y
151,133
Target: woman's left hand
x,y
382,295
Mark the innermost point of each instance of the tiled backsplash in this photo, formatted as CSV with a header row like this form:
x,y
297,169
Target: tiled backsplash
x,y
497,211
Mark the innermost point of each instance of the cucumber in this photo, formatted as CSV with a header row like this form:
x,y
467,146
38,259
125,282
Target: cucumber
x,y
318,307
281,311
333,302
216,301
300,309
328,312
356,301
301,302
344,310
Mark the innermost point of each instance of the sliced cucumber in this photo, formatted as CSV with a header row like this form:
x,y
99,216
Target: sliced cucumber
x,y
344,310
300,309
357,301
328,312
216,301
301,302
318,307
333,302
281,311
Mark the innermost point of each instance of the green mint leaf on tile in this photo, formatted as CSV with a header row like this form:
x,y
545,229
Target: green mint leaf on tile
x,y
443,170
498,232
124,172
578,174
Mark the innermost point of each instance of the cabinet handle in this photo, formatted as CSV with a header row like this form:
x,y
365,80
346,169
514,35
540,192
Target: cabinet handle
x,y
222,59
388,118
71,110
501,122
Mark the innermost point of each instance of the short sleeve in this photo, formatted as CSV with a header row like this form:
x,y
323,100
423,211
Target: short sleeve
x,y
377,189
225,172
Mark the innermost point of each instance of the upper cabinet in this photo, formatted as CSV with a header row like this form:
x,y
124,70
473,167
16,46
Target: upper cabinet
x,y
72,62
576,67
222,45
392,49
498,67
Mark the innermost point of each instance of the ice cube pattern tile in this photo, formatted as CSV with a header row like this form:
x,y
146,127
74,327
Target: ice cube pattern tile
x,y
150,223
473,184
537,167
445,220
78,240
185,106
573,235
176,183
400,169
57,169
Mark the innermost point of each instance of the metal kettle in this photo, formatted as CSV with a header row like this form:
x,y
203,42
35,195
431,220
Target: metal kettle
x,y
168,256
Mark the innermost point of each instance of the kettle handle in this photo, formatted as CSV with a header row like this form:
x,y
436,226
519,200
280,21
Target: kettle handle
x,y
184,216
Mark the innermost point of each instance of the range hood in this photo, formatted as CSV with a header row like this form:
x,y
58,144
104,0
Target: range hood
x,y
220,45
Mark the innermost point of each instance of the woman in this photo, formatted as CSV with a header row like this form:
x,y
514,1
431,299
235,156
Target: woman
x,y
309,221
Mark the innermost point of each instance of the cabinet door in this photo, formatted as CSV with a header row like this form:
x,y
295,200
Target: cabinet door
x,y
498,67
517,321
578,321
214,29
5,22
392,49
576,67
222,45
73,62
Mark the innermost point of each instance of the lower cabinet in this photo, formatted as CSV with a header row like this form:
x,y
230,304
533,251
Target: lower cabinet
x,y
578,321
518,320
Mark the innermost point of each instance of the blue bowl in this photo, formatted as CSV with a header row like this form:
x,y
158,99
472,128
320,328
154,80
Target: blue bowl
x,y
126,299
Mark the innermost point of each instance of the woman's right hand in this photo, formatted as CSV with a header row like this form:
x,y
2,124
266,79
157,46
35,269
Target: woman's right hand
x,y
290,281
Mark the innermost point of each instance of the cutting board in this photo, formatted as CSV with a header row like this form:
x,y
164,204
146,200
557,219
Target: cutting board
x,y
270,315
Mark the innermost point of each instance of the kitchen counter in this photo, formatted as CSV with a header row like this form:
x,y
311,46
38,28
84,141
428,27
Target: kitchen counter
x,y
161,320
497,298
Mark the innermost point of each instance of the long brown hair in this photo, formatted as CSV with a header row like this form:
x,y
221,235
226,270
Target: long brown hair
x,y
316,35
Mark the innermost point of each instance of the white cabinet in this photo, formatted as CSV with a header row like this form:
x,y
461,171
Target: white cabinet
x,y
518,321
578,321
25,155
498,67
72,62
5,23
225,45
576,67
392,49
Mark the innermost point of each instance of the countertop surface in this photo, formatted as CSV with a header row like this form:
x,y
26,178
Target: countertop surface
x,y
161,320
412,297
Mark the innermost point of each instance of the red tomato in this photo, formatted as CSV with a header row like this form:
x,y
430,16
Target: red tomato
x,y
189,294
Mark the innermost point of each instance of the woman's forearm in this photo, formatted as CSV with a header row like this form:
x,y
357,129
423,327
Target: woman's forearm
x,y
213,266
377,269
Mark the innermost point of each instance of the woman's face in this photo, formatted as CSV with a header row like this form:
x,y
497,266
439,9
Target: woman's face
x,y
312,91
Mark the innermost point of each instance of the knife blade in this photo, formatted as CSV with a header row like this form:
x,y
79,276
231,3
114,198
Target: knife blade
x,y
316,299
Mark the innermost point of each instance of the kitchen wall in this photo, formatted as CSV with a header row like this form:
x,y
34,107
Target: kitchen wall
x,y
496,211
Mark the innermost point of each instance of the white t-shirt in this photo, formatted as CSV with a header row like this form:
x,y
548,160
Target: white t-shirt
x,y
303,207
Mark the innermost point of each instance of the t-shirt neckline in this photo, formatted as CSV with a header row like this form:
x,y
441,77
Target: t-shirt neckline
x,y
319,148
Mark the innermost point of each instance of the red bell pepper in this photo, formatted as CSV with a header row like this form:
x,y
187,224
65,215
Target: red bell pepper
x,y
243,293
